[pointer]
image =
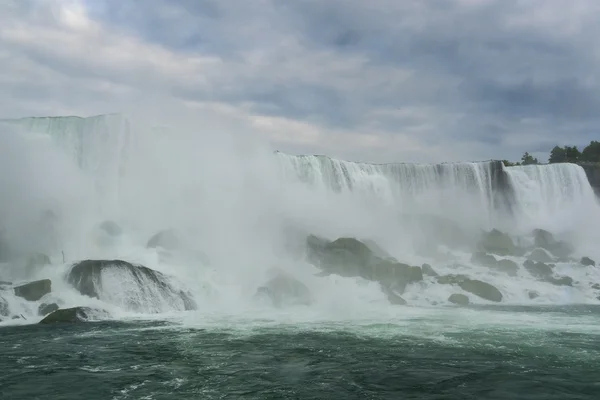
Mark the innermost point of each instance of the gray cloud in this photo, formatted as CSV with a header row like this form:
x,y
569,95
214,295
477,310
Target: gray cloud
x,y
400,80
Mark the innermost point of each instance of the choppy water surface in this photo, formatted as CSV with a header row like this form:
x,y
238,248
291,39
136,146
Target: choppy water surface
x,y
477,353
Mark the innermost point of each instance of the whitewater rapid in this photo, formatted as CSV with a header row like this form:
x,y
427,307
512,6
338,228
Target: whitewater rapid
x,y
240,211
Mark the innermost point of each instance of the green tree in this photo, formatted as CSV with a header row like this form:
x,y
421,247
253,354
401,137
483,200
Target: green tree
x,y
557,155
591,153
528,159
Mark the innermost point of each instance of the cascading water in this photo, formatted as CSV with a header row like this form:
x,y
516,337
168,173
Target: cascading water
x,y
234,209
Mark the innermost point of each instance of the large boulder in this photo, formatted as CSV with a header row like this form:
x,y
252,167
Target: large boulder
x,y
75,314
509,267
393,297
166,239
540,255
545,240
135,287
588,262
499,243
45,309
474,286
284,290
428,270
33,291
485,260
459,299
538,270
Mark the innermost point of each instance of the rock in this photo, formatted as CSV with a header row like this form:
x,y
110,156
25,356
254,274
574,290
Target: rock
x,y
111,228
45,309
546,240
474,286
72,315
588,262
542,238
596,286
533,294
508,266
499,243
377,250
147,285
459,299
4,311
358,249
393,275
33,291
285,290
428,270
167,240
481,289
393,297
484,260
540,255
537,269
560,281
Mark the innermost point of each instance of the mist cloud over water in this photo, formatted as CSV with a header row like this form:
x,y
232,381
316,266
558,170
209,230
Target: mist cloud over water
x,y
241,211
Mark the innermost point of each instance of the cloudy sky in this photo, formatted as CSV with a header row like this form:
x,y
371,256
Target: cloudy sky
x,y
376,80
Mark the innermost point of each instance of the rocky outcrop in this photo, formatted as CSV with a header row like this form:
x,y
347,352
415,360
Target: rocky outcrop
x,y
545,240
540,255
428,270
73,315
474,286
459,299
45,309
33,291
588,262
349,257
148,288
284,290
498,243
592,171
166,239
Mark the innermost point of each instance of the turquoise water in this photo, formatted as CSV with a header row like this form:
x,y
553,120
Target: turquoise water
x,y
476,353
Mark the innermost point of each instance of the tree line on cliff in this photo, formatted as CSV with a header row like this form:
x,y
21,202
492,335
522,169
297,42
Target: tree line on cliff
x,y
566,154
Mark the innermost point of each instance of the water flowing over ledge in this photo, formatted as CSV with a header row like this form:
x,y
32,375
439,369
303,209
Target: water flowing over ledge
x,y
240,215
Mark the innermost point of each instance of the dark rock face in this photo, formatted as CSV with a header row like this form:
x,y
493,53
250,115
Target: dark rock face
x,y
474,286
86,277
546,240
459,299
167,240
540,255
349,257
588,262
509,267
285,290
592,171
428,270
393,297
538,269
72,315
45,309
33,291
484,260
498,243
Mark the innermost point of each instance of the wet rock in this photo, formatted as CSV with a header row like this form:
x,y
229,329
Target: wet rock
x,y
111,228
393,297
481,289
560,281
4,311
459,299
45,309
147,286
166,239
284,290
377,250
509,267
537,269
428,270
33,291
73,315
485,260
546,240
588,262
473,286
533,294
540,255
499,243
596,286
